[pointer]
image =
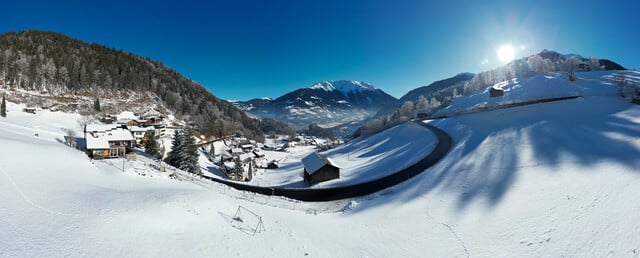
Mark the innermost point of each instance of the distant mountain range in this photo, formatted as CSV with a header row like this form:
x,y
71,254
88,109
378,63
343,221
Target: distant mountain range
x,y
328,104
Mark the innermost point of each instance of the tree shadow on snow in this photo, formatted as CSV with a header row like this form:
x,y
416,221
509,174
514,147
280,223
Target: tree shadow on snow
x,y
491,148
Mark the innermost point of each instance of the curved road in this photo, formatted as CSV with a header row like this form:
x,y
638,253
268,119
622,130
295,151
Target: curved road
x,y
329,194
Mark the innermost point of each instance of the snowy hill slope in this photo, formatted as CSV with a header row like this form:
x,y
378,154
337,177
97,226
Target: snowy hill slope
x,y
541,86
553,179
360,160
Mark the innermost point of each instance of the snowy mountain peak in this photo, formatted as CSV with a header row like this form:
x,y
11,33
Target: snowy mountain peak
x,y
344,86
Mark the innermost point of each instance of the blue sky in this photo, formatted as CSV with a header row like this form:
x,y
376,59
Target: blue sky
x,y
249,49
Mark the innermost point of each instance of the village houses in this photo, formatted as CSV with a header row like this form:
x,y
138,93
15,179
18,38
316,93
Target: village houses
x,y
113,140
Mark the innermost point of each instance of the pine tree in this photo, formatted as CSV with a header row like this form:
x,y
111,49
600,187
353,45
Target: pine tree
x,y
3,108
177,146
212,150
96,105
190,154
184,153
151,145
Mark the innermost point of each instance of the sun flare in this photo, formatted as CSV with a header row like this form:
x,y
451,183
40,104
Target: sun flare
x,y
506,53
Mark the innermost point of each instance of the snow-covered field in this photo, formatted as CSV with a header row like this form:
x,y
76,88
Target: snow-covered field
x,y
360,160
553,179
548,85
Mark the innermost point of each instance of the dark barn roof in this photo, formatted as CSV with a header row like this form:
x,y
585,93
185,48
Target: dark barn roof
x,y
318,168
314,162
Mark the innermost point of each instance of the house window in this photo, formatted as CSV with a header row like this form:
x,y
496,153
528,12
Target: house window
x,y
114,152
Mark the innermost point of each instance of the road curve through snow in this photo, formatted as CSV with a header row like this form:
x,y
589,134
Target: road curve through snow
x,y
445,142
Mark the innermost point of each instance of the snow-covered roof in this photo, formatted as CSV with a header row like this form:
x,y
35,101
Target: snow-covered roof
x,y
247,146
237,150
229,164
100,140
101,127
126,115
96,143
313,162
245,156
139,129
124,121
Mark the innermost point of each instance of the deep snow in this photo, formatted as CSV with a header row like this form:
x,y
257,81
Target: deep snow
x,y
553,179
359,161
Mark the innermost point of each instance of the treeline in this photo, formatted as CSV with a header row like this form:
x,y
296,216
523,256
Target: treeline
x,y
58,64
520,68
316,130
272,127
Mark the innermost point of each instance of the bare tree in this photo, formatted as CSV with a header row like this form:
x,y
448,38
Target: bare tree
x,y
569,66
620,80
84,121
71,138
636,97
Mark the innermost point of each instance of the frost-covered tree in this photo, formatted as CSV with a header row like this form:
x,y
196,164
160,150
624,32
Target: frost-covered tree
x,y
569,65
406,110
537,63
594,64
422,103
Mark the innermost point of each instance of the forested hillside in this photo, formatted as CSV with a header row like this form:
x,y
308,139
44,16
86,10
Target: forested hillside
x,y
59,65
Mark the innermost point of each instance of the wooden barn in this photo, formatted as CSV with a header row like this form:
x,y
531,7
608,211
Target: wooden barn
x,y
422,113
318,168
496,92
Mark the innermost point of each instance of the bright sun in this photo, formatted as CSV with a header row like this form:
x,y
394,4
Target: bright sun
x,y
506,53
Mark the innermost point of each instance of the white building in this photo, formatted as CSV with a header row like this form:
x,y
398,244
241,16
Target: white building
x,y
107,141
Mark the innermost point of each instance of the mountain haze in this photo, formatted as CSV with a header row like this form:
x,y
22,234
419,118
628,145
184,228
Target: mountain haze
x,y
328,104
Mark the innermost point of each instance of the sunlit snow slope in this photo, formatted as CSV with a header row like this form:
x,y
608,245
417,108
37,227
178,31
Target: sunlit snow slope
x,y
552,179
